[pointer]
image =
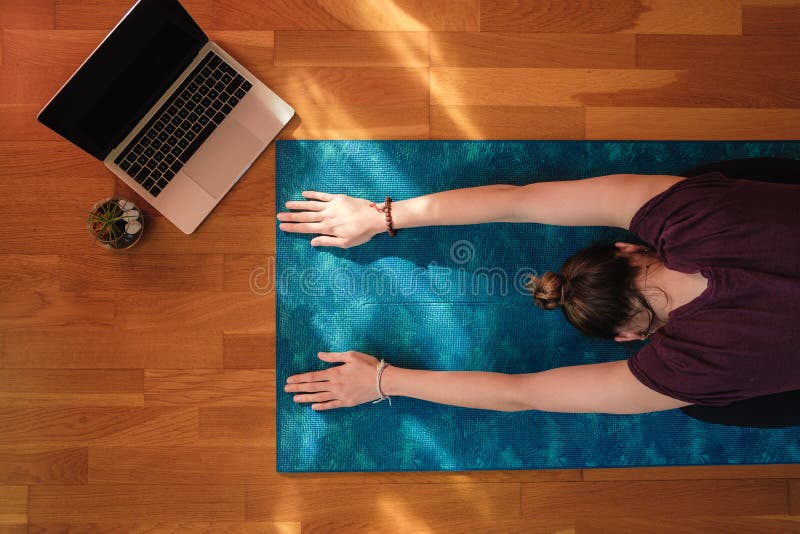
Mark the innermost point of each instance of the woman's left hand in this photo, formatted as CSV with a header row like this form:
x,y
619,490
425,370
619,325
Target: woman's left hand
x,y
345,385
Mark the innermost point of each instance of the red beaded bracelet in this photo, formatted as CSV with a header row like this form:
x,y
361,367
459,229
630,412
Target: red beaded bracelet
x,y
387,211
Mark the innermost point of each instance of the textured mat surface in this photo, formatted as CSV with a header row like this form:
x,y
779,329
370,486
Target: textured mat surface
x,y
452,298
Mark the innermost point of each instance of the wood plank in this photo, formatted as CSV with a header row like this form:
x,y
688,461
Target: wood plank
x,y
20,309
210,387
182,465
13,505
471,477
612,16
249,272
696,472
351,49
32,271
48,387
173,527
106,348
770,17
723,88
590,500
506,122
360,121
556,87
752,53
336,86
218,234
18,14
28,175
237,427
35,465
36,63
20,124
82,426
718,524
131,503
248,351
216,311
253,49
104,14
409,506
451,525
551,50
128,272
691,123
382,15
794,497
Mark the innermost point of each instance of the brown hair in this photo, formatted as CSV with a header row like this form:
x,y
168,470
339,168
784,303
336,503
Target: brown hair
x,y
596,290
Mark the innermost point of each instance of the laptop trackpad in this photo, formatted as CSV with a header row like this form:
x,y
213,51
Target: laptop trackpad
x,y
225,155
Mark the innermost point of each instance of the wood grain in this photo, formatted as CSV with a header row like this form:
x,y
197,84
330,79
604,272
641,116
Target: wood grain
x,y
754,53
78,426
169,527
589,500
35,465
103,14
689,123
611,16
98,503
13,505
412,504
381,15
351,49
88,387
108,348
248,351
137,390
556,87
770,17
552,50
237,426
506,122
182,465
210,387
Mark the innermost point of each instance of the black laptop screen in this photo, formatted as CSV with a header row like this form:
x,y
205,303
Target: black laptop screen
x,y
125,76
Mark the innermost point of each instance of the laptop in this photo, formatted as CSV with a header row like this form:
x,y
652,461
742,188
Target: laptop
x,y
168,111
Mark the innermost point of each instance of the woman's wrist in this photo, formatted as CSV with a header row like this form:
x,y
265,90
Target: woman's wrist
x,y
389,380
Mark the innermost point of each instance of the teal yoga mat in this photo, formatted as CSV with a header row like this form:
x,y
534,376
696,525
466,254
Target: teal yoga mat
x,y
451,298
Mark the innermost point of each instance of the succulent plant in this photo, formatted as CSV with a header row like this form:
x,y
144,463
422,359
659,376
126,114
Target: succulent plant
x,y
115,223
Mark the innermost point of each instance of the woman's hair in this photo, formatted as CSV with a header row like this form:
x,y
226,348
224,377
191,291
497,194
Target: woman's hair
x,y
596,290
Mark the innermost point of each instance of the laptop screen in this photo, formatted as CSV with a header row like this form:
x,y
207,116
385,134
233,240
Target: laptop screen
x,y
125,76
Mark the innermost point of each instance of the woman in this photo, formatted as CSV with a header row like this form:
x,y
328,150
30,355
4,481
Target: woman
x,y
718,294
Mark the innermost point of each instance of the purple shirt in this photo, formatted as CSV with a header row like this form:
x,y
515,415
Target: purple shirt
x,y
741,337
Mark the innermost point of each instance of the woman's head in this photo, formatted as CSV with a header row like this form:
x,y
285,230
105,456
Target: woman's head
x,y
597,291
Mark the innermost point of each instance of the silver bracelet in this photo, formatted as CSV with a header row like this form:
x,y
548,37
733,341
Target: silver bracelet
x,y
379,373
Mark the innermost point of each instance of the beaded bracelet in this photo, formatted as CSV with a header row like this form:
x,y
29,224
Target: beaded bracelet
x,y
379,373
387,211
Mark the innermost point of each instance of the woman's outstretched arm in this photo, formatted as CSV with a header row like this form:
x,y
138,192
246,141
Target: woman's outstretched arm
x,y
345,221
596,388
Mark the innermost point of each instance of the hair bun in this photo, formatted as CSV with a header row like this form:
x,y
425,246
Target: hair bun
x,y
547,290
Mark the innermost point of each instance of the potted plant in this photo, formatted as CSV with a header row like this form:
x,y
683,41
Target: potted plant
x,y
115,223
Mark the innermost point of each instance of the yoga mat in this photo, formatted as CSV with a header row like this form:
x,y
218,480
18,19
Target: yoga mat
x,y
451,298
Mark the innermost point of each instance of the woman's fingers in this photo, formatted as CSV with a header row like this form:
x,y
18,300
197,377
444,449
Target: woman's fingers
x,y
324,396
328,241
307,205
313,376
328,405
300,216
318,195
301,228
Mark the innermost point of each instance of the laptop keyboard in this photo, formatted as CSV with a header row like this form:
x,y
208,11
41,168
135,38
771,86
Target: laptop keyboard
x,y
183,123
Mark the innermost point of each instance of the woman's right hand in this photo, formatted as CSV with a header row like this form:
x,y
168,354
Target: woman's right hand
x,y
342,221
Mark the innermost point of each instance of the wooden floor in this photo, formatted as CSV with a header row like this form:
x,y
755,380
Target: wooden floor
x,y
137,390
